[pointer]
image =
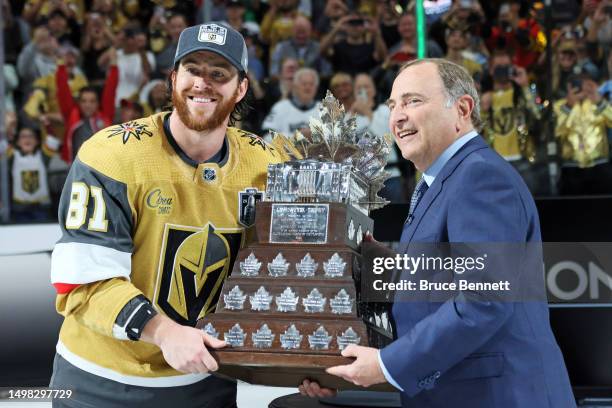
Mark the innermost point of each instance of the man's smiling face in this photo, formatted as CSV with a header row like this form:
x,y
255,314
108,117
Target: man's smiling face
x,y
421,121
205,90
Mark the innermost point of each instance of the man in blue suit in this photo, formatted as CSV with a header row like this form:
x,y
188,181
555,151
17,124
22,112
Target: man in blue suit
x,y
461,353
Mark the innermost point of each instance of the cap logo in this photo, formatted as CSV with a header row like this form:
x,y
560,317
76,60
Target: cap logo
x,y
212,33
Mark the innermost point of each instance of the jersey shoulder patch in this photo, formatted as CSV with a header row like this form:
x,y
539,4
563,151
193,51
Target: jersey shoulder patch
x,y
114,147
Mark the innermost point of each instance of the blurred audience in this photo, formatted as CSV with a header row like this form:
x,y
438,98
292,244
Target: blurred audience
x,y
73,67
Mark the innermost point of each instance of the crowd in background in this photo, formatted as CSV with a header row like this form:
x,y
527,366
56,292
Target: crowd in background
x,y
73,67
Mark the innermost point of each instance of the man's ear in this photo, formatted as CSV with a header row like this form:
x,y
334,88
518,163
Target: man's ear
x,y
465,106
243,86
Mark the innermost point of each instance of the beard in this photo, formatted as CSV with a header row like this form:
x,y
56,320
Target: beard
x,y
199,122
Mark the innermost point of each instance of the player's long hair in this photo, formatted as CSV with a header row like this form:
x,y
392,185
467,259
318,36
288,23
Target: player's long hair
x,y
241,110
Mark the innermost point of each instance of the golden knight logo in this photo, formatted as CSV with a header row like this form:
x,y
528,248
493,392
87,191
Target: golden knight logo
x,y
194,264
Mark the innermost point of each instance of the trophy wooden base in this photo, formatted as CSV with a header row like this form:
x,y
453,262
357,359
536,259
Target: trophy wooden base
x,y
286,370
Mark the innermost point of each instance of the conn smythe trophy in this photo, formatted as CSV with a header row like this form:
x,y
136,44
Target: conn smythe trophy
x,y
292,302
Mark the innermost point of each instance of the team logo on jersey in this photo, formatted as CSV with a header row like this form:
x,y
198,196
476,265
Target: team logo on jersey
x,y
246,205
209,174
129,129
159,201
194,264
212,33
255,140
30,181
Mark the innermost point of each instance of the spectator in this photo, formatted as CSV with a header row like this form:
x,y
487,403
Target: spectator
x,y
388,18
11,81
277,89
86,117
582,121
164,59
63,28
35,10
565,66
135,63
28,164
277,24
302,47
15,29
97,39
457,41
42,105
37,59
289,115
509,117
374,118
234,11
520,35
334,11
111,12
362,48
154,97
406,49
129,110
341,86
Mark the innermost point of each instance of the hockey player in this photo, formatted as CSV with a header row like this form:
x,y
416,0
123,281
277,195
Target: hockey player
x,y
152,216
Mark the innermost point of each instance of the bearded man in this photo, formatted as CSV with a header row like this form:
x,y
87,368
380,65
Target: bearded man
x,y
152,215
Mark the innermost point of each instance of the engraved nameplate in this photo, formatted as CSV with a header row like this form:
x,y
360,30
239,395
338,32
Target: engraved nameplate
x,y
299,223
250,266
348,337
320,339
235,336
287,301
263,337
291,339
314,302
261,300
334,268
234,300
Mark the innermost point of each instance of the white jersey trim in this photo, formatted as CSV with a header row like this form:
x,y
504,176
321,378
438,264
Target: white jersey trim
x,y
172,381
75,262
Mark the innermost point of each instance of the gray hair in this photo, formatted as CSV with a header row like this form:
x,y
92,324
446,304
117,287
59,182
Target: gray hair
x,y
303,71
457,82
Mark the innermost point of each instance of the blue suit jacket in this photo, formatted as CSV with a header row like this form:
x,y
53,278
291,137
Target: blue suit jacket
x,y
476,354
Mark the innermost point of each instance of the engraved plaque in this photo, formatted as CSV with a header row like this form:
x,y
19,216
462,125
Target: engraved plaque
x,y
279,266
299,223
348,337
334,268
261,300
234,300
291,338
287,301
320,339
235,336
250,266
306,267
263,337
210,330
341,303
314,302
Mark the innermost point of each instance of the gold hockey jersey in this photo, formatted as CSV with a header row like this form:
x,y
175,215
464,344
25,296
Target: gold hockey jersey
x,y
139,217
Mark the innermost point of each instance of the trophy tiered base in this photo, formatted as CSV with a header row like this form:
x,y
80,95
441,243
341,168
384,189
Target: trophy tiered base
x,y
291,304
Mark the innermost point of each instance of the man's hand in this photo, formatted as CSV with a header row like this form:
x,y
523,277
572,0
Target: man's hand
x,y
574,96
314,390
183,347
364,371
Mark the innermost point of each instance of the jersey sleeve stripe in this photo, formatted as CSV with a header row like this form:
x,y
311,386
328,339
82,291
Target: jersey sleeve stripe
x,y
79,263
64,288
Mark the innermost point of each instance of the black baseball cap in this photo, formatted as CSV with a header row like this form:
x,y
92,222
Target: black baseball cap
x,y
216,37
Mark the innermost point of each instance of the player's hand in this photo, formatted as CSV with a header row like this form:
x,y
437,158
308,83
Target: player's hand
x,y
314,390
184,348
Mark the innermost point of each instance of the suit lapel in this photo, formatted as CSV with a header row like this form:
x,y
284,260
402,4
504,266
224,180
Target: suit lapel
x,y
434,190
